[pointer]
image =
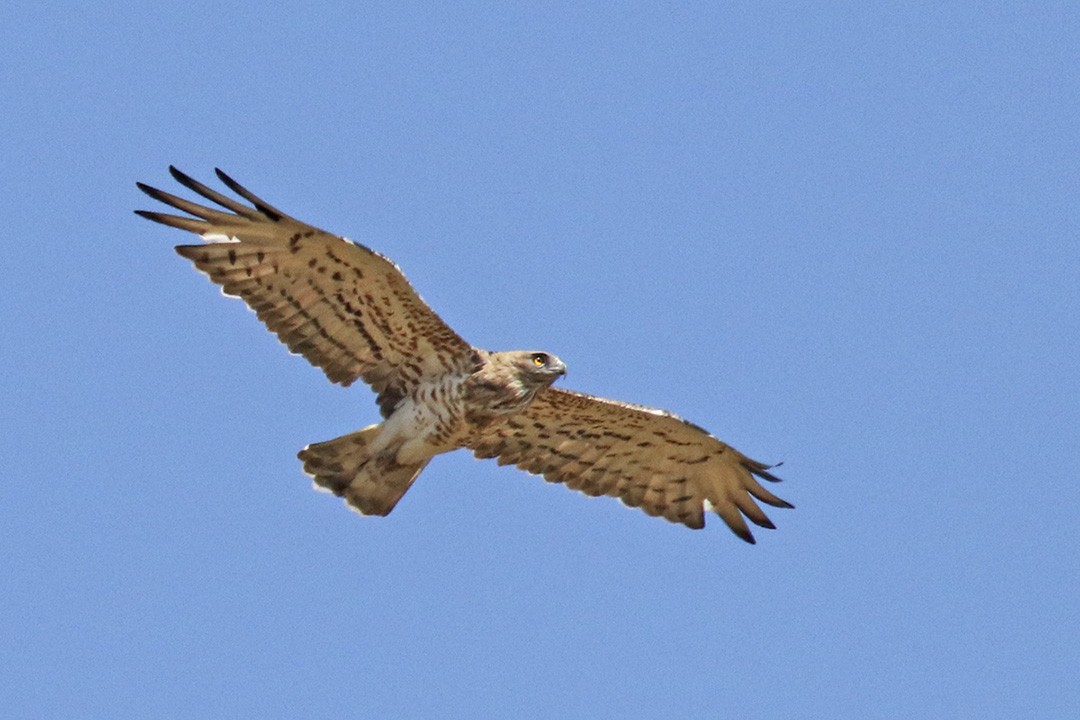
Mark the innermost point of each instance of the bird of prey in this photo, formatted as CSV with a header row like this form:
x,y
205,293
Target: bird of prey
x,y
350,311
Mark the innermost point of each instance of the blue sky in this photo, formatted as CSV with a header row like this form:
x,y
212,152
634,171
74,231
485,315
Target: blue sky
x,y
841,235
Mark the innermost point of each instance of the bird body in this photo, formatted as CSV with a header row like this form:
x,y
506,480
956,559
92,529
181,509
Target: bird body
x,y
373,468
351,312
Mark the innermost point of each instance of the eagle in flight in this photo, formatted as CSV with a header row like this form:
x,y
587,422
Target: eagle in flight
x,y
350,311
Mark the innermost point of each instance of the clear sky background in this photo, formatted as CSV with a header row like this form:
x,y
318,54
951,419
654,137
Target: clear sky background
x,y
840,235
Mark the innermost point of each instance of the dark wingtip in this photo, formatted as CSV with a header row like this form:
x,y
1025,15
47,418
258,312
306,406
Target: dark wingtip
x,y
762,471
159,195
261,205
181,177
747,536
157,217
225,178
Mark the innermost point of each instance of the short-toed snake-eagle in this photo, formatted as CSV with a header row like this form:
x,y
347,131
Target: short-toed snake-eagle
x,y
351,312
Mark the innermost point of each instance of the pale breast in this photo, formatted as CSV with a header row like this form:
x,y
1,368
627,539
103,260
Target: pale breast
x,y
431,420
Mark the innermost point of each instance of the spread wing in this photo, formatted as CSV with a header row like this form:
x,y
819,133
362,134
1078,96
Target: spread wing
x,y
342,306
648,458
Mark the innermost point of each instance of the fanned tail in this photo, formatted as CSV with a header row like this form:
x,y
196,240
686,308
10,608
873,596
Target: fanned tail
x,y
371,483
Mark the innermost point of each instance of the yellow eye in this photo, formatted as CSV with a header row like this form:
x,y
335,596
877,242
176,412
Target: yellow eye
x,y
538,360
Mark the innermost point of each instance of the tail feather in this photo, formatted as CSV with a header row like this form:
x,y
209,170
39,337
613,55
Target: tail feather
x,y
370,482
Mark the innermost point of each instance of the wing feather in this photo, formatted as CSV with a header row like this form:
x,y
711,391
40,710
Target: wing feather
x,y
342,306
648,458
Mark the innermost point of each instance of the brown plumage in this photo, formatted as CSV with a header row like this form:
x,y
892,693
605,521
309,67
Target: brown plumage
x,y
351,312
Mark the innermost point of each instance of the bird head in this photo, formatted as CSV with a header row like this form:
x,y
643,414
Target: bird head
x,y
539,368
